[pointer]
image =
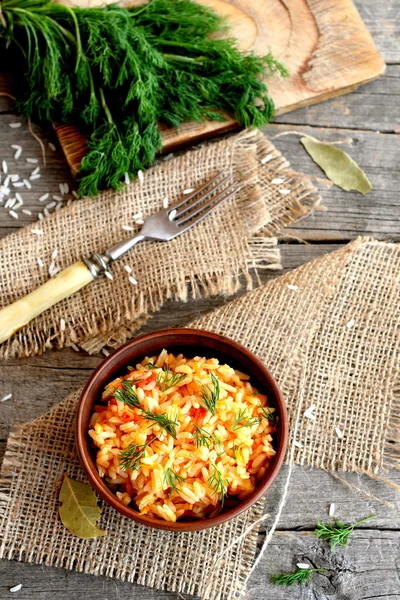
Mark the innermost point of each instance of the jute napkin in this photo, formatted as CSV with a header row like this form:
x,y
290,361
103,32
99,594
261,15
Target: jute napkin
x,y
329,332
209,259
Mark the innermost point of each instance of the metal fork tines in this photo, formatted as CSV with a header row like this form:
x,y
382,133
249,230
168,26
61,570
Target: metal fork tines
x,y
170,222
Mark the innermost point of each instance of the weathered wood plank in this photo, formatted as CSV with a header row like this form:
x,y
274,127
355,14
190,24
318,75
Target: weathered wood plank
x,y
382,21
374,106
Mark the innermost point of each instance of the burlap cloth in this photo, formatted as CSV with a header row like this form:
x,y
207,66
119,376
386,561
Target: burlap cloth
x,y
329,332
211,258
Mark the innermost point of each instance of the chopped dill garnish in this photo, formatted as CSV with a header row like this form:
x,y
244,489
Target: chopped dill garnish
x,y
242,419
131,456
150,365
163,421
218,484
269,414
300,576
128,394
202,437
210,396
173,480
170,379
337,534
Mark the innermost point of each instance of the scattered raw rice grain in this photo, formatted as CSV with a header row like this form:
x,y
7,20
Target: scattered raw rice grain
x,y
57,197
10,203
332,510
6,397
40,262
58,206
66,188
46,212
165,203
338,433
293,287
4,167
132,280
126,178
61,188
188,190
62,324
297,444
16,588
277,180
172,214
18,153
138,215
40,217
51,205
35,171
37,231
127,228
309,413
140,176
284,192
75,194
69,202
266,159
15,146
27,212
54,253
4,190
13,214
139,221
17,204
128,269
303,565
27,184
19,184
74,347
108,274
105,352
14,125
34,177
14,177
6,181
32,161
168,157
43,198
18,197
351,323
52,146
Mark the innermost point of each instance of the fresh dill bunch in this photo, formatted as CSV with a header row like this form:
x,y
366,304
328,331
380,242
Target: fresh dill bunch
x,y
169,425
173,480
210,395
117,72
300,576
128,395
337,534
130,457
242,419
269,414
202,437
218,483
166,378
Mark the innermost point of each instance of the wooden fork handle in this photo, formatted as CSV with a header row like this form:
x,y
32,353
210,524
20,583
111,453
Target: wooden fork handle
x,y
64,284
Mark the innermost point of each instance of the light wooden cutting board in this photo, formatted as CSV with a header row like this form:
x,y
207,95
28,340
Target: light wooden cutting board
x,y
323,43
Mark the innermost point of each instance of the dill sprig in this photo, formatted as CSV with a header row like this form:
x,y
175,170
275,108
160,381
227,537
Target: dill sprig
x,y
243,419
128,394
202,437
269,414
166,379
163,420
117,72
337,534
173,480
300,576
218,483
130,457
210,395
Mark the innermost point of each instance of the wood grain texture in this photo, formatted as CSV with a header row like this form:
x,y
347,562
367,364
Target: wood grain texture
x,y
323,43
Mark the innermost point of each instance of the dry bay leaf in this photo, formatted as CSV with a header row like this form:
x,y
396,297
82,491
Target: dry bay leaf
x,y
79,511
337,165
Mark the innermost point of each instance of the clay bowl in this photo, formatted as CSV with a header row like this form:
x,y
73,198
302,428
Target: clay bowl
x,y
190,342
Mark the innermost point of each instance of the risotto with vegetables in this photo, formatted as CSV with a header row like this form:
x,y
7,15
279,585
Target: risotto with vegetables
x,y
176,437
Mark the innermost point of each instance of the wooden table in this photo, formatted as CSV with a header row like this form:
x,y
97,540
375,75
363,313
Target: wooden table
x,y
370,567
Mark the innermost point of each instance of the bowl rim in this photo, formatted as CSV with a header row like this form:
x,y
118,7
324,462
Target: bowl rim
x,y
101,487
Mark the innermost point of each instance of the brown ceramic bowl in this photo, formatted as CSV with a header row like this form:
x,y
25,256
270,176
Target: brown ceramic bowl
x,y
190,342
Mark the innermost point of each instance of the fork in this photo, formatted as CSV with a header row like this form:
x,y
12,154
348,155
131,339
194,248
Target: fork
x,y
164,225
